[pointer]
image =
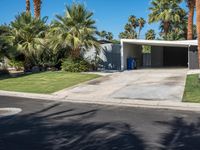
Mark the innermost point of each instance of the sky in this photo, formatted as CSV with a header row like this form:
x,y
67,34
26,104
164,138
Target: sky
x,y
110,15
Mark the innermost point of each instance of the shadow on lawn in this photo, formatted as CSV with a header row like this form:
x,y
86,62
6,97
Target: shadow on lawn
x,y
18,75
65,130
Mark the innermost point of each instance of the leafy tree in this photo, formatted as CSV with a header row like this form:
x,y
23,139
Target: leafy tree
x,y
74,32
167,12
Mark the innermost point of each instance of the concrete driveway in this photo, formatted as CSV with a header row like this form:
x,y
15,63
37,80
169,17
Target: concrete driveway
x,y
144,84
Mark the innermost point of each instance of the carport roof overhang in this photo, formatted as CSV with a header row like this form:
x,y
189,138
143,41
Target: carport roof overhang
x,y
184,43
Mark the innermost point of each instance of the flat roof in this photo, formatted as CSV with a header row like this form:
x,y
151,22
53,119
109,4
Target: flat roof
x,y
182,43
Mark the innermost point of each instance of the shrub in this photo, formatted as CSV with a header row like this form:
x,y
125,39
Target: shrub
x,y
4,72
75,65
18,65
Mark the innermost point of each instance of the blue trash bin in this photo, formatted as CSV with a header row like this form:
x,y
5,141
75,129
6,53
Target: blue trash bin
x,y
131,63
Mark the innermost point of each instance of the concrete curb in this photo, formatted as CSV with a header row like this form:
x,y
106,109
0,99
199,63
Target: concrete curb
x,y
30,95
111,102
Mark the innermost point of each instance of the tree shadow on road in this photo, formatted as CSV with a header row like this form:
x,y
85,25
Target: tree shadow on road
x,y
68,129
182,135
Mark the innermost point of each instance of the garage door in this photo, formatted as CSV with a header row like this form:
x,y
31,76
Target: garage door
x,y
175,56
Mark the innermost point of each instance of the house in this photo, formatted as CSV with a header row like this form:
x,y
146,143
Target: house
x,y
163,53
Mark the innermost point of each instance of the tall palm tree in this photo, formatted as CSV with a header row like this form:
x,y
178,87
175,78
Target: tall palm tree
x,y
133,21
191,6
37,8
198,27
166,12
75,31
28,6
141,23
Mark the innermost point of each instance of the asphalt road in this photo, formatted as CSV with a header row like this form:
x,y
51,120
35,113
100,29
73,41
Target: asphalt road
x,y
48,125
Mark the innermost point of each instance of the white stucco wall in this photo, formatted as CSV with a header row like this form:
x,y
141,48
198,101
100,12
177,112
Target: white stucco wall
x,y
109,54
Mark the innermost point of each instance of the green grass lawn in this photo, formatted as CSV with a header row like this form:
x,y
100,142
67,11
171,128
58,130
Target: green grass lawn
x,y
192,89
45,82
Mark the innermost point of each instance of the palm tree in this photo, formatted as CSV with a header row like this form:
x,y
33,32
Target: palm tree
x,y
75,31
150,35
133,21
122,35
37,8
141,23
28,7
191,6
198,27
103,34
27,35
109,36
166,12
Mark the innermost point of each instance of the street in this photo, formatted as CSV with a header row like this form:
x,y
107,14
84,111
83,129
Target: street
x,y
50,125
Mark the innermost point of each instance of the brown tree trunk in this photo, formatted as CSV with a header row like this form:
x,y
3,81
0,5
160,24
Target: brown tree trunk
x,y
75,53
37,8
191,5
166,27
198,27
28,6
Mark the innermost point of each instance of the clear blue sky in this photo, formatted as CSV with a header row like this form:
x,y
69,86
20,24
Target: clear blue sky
x,y
110,15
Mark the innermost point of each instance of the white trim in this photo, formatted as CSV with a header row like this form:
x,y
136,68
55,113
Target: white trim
x,y
184,43
122,56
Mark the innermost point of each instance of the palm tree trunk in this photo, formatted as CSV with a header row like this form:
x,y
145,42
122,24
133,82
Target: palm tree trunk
x,y
28,7
198,27
139,32
75,53
191,5
166,27
37,8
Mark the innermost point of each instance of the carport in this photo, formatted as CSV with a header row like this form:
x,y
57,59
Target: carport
x,y
163,53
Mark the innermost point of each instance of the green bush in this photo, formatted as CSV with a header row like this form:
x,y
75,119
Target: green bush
x,y
75,65
18,65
